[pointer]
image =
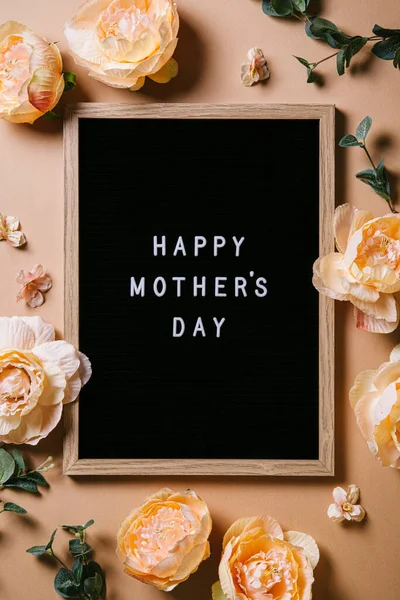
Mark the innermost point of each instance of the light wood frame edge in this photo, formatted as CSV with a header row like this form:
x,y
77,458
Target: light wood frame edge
x,y
324,466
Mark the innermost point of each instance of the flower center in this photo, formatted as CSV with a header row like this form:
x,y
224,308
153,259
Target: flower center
x,y
380,249
121,22
262,572
14,69
347,507
14,385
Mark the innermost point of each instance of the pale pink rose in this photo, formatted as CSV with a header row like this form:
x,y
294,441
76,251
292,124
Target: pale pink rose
x,y
366,270
38,375
255,70
261,562
9,231
164,541
346,507
34,284
375,398
121,42
31,78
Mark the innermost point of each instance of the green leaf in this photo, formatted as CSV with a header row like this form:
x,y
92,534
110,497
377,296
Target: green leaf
x,y
363,128
367,175
387,49
93,586
22,483
282,7
19,460
77,549
37,478
268,10
340,62
217,593
354,48
51,540
37,550
70,81
11,507
77,569
303,61
88,524
383,32
301,5
65,585
311,76
321,29
51,116
7,466
349,140
396,60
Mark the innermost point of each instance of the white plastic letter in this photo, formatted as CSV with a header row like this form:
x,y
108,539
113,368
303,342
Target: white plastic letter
x,y
156,286
261,283
199,242
199,327
240,284
180,247
178,285
201,286
163,245
219,242
218,325
238,244
137,289
178,321
219,287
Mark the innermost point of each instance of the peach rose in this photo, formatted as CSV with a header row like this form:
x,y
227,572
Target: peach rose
x,y
121,42
164,541
37,376
31,78
366,270
375,398
260,562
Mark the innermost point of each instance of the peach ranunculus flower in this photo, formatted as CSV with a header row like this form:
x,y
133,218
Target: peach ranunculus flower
x,y
260,562
375,398
345,506
255,70
121,42
34,283
164,541
37,376
9,231
366,270
31,77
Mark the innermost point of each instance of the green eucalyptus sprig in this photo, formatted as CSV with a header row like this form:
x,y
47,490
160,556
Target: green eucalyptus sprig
x,y
386,41
13,472
86,578
376,177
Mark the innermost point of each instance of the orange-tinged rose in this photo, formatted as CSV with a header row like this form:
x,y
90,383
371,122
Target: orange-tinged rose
x,y
260,562
164,541
375,398
366,270
31,78
121,42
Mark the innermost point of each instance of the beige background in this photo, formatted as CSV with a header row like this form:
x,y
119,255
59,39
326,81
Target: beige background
x,y
359,562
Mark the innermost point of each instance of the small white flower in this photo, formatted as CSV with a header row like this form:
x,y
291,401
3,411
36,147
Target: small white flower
x,y
346,505
256,69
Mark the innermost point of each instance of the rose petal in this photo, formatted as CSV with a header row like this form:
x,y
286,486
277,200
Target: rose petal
x,y
44,88
60,353
306,542
364,411
329,269
363,383
371,324
29,428
339,495
12,223
8,423
269,525
43,332
54,385
342,220
138,85
36,299
15,333
16,239
335,513
44,283
166,73
353,494
388,373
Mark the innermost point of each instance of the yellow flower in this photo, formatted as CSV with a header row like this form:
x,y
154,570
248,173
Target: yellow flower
x,y
366,270
121,42
164,541
260,562
375,398
37,376
31,79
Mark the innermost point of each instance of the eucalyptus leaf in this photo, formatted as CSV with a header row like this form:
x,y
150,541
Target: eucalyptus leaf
x,y
37,550
363,128
65,585
354,48
37,478
93,586
77,569
396,60
7,466
301,5
303,61
282,7
78,549
22,483
349,140
11,507
340,63
387,49
311,76
318,27
19,460
367,175
88,524
51,540
268,10
383,32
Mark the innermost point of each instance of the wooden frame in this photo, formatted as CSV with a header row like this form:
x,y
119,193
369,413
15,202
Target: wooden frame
x,y
324,466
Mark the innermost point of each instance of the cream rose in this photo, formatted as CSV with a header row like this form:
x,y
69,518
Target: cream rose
x,y
37,376
31,78
121,42
164,541
366,270
260,562
375,398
